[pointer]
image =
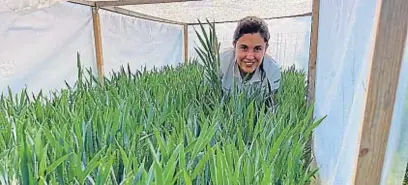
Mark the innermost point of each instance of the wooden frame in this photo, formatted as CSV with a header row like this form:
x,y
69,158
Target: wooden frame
x,y
389,40
126,12
314,37
135,2
390,30
98,43
112,6
95,6
311,78
267,18
124,2
185,41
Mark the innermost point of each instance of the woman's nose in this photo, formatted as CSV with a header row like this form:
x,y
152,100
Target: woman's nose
x,y
250,55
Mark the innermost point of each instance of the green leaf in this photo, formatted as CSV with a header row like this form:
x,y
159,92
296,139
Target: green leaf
x,y
187,178
56,163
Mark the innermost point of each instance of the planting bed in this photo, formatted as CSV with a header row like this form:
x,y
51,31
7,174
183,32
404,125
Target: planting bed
x,y
159,127
163,127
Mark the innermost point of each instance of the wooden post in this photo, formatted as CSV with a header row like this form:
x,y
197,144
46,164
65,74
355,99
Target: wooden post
x,y
311,79
390,27
215,37
185,41
314,36
98,43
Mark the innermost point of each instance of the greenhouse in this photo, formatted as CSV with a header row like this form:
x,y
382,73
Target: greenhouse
x,y
117,92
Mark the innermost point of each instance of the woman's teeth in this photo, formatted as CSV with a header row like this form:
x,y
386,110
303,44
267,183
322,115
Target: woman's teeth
x,y
249,64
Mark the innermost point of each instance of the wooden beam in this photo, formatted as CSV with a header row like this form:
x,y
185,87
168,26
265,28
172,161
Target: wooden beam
x,y
215,41
185,41
390,27
82,2
311,78
314,36
125,12
265,18
98,43
135,2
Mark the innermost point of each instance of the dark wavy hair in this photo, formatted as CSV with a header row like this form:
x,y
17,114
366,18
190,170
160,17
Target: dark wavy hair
x,y
251,25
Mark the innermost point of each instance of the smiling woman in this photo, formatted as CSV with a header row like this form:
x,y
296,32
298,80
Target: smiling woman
x,y
246,64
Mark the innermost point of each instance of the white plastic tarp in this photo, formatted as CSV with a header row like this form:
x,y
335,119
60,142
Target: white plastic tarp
x,y
139,43
396,158
223,10
21,5
288,45
38,48
345,35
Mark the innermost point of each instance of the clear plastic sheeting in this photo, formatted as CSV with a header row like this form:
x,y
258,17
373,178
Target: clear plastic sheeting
x,y
345,36
288,45
22,5
223,10
38,49
396,158
139,43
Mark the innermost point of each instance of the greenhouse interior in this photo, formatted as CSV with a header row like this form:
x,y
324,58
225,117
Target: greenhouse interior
x,y
112,93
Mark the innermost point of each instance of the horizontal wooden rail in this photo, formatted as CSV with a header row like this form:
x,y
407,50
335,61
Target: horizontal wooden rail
x,y
135,2
131,13
267,18
81,2
127,12
124,2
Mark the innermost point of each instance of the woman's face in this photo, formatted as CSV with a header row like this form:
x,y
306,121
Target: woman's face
x,y
249,51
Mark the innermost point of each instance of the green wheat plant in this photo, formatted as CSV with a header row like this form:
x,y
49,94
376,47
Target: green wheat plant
x,y
169,125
